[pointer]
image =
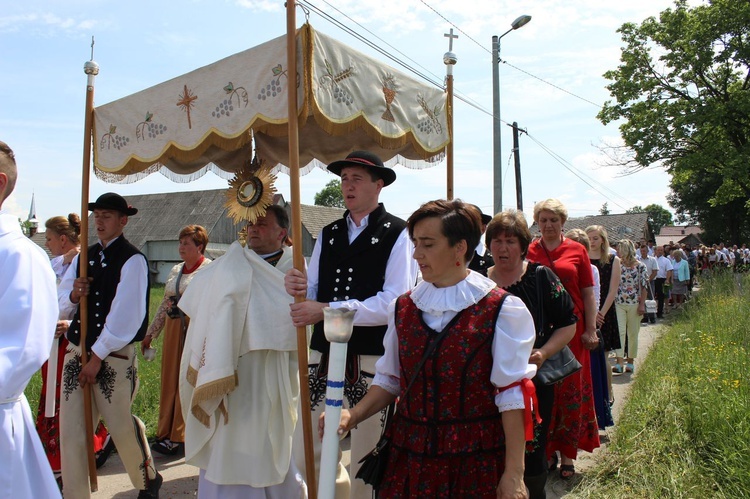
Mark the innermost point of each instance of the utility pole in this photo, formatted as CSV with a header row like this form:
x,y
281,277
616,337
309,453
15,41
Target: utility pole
x,y
517,162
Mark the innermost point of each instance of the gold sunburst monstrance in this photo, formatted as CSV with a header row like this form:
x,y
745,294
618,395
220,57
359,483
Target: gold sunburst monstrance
x,y
250,192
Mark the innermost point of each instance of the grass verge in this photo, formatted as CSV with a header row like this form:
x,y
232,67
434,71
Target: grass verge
x,y
685,430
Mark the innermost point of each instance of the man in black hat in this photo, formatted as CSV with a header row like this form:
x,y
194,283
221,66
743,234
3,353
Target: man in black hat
x,y
361,262
118,290
482,259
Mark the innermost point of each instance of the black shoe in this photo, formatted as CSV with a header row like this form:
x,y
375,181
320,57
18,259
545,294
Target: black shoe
x,y
152,490
103,454
167,447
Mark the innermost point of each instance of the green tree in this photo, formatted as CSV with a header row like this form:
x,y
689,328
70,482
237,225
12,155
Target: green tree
x,y
658,216
604,210
682,94
330,195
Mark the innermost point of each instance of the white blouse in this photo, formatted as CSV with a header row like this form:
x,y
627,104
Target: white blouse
x,y
511,344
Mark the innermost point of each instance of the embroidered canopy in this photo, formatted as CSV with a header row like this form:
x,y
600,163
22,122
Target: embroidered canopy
x,y
207,119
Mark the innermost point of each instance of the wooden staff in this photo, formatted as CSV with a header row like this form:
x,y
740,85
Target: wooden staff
x,y
91,69
299,261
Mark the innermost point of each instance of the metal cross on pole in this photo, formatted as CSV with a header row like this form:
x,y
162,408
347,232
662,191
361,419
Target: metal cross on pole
x,y
450,36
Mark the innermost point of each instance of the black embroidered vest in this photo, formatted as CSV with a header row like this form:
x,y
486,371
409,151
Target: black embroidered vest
x,y
106,273
355,272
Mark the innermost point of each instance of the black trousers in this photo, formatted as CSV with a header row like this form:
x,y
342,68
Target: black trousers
x,y
659,290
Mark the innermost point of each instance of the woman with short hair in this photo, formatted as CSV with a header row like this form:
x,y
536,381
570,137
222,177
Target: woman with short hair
x,y
461,431
573,424
170,433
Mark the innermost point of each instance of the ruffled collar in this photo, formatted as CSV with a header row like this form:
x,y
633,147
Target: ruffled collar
x,y
466,293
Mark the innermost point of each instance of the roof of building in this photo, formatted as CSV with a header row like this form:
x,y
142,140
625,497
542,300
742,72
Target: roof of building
x,y
679,230
314,218
161,216
633,226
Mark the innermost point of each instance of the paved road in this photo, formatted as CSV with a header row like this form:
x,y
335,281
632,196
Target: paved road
x,y
181,480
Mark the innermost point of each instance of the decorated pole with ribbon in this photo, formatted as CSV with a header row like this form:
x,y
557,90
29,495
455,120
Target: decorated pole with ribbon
x,y
91,69
298,258
338,324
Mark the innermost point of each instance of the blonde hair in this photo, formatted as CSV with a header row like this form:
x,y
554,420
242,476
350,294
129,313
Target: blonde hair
x,y
604,256
69,227
626,252
553,205
580,237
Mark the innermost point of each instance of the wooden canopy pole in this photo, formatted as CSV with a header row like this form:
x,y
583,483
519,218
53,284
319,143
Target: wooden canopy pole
x,y
450,60
91,69
299,261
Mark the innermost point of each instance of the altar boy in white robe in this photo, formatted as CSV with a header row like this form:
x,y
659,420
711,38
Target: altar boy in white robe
x,y
239,382
28,307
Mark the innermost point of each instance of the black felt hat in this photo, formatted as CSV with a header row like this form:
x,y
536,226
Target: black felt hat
x,y
112,201
485,218
368,160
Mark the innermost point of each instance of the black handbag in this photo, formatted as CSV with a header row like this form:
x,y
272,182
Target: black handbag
x,y
561,364
373,465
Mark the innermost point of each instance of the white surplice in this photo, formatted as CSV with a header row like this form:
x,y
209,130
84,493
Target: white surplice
x,y
239,382
28,307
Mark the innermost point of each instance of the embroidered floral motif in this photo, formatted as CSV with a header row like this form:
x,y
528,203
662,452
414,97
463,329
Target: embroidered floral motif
x,y
149,127
131,373
106,380
335,227
374,240
202,362
331,242
70,376
354,393
273,87
226,106
387,225
111,139
317,385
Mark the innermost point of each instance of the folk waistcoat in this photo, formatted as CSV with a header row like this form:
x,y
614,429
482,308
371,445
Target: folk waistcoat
x,y
356,271
106,273
450,409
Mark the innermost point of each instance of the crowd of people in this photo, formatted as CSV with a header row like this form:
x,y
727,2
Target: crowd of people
x,y
449,334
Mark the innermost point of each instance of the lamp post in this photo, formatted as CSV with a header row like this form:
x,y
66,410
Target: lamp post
x,y
497,183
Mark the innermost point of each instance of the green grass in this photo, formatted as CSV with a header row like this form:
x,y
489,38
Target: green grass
x,y
146,403
685,431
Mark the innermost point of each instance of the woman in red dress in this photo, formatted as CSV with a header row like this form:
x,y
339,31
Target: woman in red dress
x,y
573,425
461,429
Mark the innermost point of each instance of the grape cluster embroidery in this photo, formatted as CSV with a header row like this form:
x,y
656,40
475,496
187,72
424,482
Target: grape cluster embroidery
x,y
111,139
274,87
226,106
148,128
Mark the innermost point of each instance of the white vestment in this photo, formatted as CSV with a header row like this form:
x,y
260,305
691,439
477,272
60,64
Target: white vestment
x,y
28,307
239,382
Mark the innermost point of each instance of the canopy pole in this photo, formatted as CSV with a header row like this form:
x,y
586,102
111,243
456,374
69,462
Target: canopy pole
x,y
299,261
450,60
91,69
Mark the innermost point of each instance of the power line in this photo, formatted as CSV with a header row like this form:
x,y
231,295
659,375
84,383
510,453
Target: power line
x,y
506,62
437,84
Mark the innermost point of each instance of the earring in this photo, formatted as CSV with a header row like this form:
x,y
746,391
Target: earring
x,y
458,263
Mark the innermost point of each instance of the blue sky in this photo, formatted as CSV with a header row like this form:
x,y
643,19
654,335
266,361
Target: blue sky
x,y
43,45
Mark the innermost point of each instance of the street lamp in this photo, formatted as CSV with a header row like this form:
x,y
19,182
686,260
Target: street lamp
x,y
497,158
